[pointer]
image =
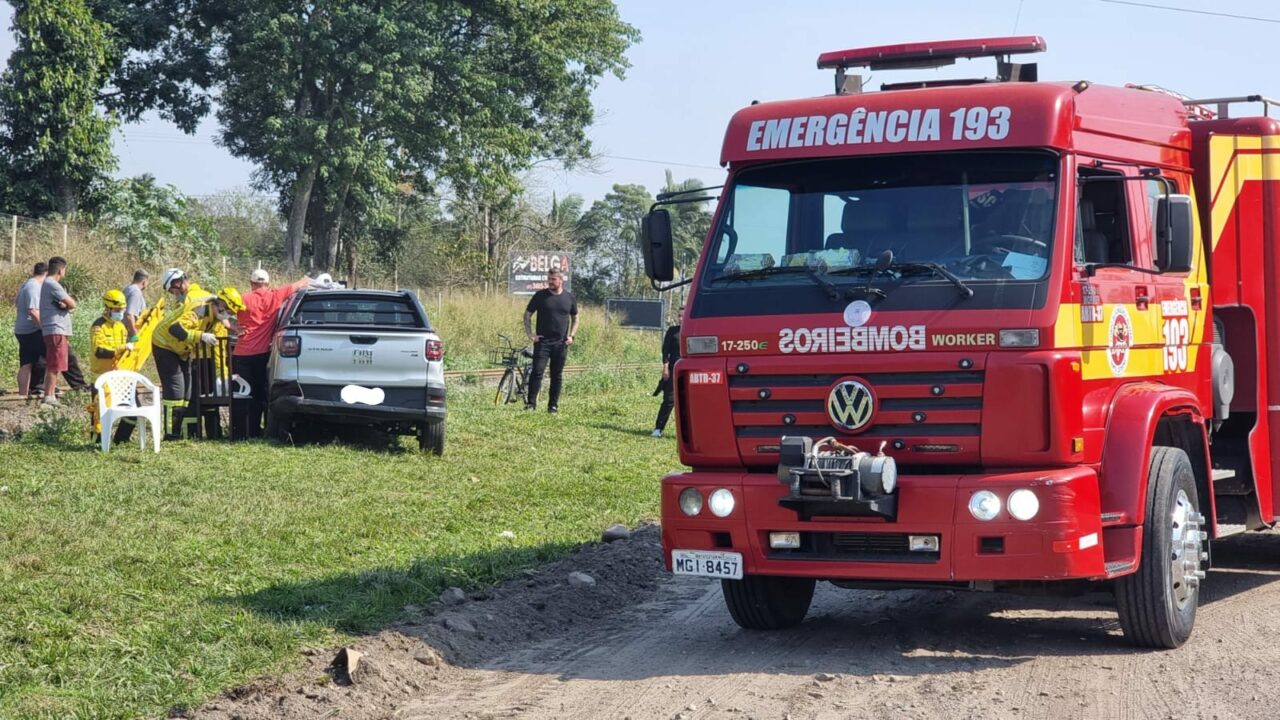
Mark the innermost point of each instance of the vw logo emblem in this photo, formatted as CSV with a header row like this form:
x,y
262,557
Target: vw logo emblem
x,y
851,405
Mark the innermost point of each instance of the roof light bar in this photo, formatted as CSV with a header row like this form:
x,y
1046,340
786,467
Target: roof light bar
x,y
929,54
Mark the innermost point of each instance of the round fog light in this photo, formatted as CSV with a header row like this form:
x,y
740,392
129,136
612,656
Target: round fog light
x,y
721,502
984,505
1023,504
690,501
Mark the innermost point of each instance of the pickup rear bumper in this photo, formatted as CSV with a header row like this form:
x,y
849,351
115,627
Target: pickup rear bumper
x,y
1063,541
288,404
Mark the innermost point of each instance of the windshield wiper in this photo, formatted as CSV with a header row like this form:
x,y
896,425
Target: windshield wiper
x,y
935,269
833,292
759,273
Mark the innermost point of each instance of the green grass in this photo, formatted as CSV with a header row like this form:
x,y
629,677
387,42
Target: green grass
x,y
130,583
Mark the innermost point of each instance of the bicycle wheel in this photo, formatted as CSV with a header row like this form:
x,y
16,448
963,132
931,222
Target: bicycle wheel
x,y
506,388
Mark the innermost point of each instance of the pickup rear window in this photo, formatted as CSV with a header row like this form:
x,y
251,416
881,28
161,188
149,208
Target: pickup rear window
x,y
391,312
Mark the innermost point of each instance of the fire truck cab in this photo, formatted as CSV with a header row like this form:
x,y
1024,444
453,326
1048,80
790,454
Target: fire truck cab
x,y
985,334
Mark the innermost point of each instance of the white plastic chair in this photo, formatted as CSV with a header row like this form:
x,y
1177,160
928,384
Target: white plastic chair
x,y
118,398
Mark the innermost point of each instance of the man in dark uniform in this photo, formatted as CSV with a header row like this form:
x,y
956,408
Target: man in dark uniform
x,y
670,354
557,323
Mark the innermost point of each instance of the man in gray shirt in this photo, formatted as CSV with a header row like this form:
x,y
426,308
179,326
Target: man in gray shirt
x,y
55,321
26,327
134,303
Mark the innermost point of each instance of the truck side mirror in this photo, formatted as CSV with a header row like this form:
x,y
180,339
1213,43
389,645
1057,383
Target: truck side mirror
x,y
657,247
1174,236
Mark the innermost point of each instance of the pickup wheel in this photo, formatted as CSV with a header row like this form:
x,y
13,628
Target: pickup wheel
x,y
1157,604
506,388
431,437
277,429
759,602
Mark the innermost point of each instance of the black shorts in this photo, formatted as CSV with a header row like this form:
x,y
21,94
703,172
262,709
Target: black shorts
x,y
30,348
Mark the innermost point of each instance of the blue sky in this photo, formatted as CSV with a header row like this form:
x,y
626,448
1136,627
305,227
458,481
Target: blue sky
x,y
700,61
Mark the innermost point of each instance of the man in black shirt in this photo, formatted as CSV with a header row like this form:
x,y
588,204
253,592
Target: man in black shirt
x,y
670,354
557,323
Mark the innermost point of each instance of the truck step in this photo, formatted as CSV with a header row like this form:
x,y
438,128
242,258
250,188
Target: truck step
x,y
1227,530
1223,474
1118,566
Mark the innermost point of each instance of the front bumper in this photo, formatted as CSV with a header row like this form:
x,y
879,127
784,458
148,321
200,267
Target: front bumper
x,y
1063,541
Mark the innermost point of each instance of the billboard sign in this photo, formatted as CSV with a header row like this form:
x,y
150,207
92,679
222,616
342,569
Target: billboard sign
x,y
636,313
527,272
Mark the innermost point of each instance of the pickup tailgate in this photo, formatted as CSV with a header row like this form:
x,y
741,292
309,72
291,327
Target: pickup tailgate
x,y
372,358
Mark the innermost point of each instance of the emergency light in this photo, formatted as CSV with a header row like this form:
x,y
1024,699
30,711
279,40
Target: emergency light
x,y
906,56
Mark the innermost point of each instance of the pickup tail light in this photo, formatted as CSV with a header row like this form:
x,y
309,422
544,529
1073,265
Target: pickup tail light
x,y
434,350
289,346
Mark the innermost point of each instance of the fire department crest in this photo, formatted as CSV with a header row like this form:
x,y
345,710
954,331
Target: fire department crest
x,y
1120,336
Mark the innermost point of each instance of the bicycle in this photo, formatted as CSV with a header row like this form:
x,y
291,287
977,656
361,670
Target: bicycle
x,y
515,381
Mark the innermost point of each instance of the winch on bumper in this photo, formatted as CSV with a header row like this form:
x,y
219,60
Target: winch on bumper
x,y
919,529
831,478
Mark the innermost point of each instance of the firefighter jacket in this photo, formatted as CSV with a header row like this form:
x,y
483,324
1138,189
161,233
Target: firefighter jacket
x,y
174,331
107,339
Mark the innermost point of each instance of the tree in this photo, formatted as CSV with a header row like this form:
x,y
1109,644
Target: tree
x,y
690,222
161,57
54,142
611,242
158,222
360,97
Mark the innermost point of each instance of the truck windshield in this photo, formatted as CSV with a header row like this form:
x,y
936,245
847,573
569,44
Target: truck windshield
x,y
987,219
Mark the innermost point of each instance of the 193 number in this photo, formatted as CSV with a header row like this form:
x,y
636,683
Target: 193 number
x,y
979,123
1177,334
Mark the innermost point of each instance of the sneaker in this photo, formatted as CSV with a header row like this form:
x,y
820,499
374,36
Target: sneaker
x,y
656,433
49,400
553,409
530,406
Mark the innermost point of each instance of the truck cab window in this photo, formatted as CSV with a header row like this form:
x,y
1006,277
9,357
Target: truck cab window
x,y
1102,225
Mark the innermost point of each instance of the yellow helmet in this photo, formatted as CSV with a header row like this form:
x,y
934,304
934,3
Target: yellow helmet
x,y
231,298
114,299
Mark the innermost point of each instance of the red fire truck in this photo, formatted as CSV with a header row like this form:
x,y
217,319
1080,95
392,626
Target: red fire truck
x,y
994,334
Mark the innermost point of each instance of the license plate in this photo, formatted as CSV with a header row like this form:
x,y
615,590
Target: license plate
x,y
726,565
362,356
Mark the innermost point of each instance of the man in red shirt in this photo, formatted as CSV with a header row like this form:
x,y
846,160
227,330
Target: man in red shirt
x,y
253,347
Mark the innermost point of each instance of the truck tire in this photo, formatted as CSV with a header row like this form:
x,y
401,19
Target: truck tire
x,y
431,437
759,602
1157,604
506,388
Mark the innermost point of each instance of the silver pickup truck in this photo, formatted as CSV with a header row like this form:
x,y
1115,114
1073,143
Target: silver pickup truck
x,y
357,357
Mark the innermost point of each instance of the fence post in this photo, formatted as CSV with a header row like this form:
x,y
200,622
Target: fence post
x,y
13,242
224,268
64,238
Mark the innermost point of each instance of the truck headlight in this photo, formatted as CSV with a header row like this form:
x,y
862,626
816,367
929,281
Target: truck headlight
x,y
721,502
984,505
690,501
1023,504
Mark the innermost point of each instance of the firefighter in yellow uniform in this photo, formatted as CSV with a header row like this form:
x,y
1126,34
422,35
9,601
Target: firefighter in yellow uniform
x,y
203,322
172,351
108,340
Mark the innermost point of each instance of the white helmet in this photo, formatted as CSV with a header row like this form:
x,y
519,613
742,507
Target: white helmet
x,y
171,276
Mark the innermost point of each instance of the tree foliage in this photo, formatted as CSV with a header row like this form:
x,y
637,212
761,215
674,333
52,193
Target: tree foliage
x,y
349,100
54,142
158,222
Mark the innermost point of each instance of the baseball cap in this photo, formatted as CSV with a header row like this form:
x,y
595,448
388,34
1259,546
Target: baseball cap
x,y
260,276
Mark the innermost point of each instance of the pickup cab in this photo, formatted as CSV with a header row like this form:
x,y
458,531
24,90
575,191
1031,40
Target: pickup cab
x,y
357,357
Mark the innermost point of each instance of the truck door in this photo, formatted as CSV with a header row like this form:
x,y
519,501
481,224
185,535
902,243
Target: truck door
x,y
1117,330
1177,299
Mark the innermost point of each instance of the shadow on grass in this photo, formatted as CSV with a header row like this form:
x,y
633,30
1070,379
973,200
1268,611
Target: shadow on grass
x,y
623,429
370,600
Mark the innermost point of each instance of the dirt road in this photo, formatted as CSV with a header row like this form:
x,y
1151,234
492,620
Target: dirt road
x,y
641,644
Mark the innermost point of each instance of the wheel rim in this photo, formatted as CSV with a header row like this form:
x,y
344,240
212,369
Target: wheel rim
x,y
1185,539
